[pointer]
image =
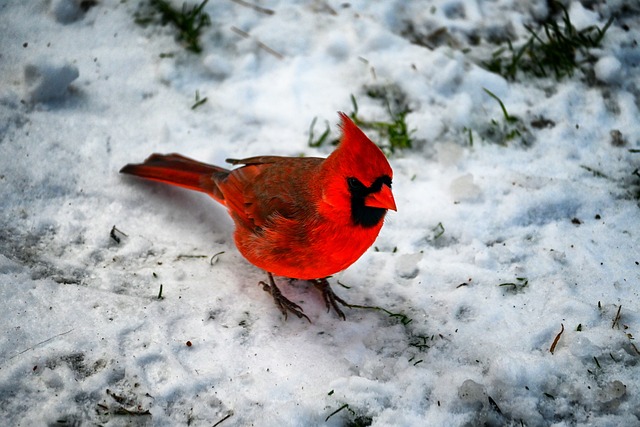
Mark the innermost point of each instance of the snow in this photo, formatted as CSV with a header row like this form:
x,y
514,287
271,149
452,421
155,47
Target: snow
x,y
46,81
608,69
582,17
495,248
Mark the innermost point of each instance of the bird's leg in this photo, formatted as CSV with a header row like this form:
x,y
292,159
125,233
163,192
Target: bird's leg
x,y
330,298
283,304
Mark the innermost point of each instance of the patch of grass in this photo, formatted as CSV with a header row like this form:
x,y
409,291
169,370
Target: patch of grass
x,y
554,49
506,131
317,142
595,172
356,421
124,404
438,231
520,284
418,342
403,318
469,133
507,117
199,101
394,131
189,21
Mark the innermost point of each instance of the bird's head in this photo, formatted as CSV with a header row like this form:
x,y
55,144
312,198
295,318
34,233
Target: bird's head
x,y
357,176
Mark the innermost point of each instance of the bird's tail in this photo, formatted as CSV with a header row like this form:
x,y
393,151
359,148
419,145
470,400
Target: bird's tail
x,y
182,171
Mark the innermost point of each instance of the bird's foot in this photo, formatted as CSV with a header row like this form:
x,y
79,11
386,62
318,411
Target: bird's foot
x,y
330,298
284,305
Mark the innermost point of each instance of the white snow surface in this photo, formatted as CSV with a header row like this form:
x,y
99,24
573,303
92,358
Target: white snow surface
x,y
552,216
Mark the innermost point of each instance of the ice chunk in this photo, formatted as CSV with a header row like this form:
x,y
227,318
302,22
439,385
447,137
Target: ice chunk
x,y
611,391
449,153
607,69
581,18
616,389
464,189
47,81
65,11
219,67
472,392
407,265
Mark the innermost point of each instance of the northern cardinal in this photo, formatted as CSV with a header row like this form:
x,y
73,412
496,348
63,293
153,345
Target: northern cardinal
x,y
298,217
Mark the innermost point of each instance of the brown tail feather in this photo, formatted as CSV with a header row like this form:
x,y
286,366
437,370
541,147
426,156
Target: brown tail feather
x,y
182,171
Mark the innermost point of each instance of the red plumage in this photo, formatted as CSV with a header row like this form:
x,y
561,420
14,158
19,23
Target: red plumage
x,y
298,217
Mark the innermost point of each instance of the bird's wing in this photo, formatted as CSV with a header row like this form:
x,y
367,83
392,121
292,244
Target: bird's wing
x,y
269,186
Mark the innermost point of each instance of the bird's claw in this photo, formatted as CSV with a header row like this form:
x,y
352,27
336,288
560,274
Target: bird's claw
x,y
330,298
284,305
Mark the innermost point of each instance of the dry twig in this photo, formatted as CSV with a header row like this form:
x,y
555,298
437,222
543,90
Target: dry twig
x,y
555,341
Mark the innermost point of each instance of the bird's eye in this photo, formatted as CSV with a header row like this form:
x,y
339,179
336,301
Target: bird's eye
x,y
354,184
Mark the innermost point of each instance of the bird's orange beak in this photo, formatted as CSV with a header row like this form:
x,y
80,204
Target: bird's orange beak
x,y
381,199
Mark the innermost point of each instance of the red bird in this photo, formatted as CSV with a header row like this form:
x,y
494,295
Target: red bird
x,y
298,217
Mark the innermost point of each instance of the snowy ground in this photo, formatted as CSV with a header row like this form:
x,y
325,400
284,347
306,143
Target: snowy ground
x,y
554,212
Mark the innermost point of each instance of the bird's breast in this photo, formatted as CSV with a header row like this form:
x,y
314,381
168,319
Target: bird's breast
x,y
309,249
